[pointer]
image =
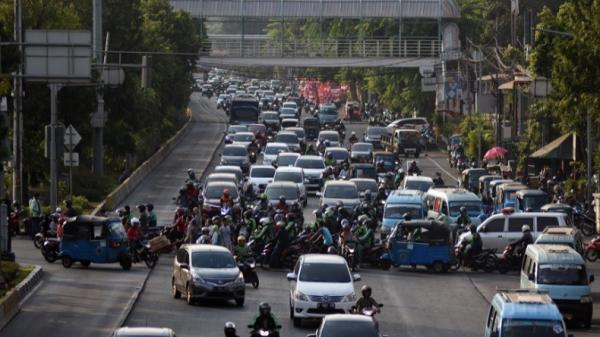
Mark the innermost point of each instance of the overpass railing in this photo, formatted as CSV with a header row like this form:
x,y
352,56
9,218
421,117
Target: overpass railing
x,y
338,48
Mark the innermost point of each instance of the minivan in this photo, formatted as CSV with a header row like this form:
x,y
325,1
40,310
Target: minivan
x,y
561,271
444,204
398,203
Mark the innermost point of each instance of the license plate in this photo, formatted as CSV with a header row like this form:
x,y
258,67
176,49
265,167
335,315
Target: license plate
x,y
326,306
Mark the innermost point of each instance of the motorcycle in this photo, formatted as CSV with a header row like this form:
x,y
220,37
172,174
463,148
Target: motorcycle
x,y
253,157
485,260
349,253
585,219
264,332
370,312
248,269
592,249
372,255
40,238
509,260
143,253
51,250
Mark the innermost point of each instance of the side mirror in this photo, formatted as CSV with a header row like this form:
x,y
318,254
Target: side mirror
x,y
592,278
291,276
531,277
184,266
356,277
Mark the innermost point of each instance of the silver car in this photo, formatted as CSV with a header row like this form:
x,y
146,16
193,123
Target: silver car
x,y
207,272
143,332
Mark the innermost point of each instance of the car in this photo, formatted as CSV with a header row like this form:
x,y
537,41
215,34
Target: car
x,y
143,332
364,184
257,128
289,123
260,176
420,183
291,105
568,236
338,325
321,284
290,139
207,272
294,175
242,138
339,190
332,136
328,114
212,193
373,135
340,154
287,189
410,123
232,129
286,159
228,177
361,152
272,150
230,169
235,155
222,99
288,113
313,167
270,119
299,133
363,171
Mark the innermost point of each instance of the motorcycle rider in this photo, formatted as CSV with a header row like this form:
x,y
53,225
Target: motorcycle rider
x,y
414,169
366,237
240,251
281,241
264,321
265,231
380,167
152,219
346,234
438,181
399,177
367,302
474,245
463,219
247,226
204,236
193,231
381,195
322,146
310,150
282,205
263,208
329,160
253,147
526,239
322,233
134,235
353,139
143,217
191,176
226,200
344,172
230,330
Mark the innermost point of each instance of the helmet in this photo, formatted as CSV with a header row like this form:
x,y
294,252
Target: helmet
x,y
205,230
189,171
280,223
463,210
331,250
407,216
141,207
281,198
362,218
366,291
525,229
241,240
228,218
339,204
472,228
265,221
345,224
330,156
326,142
135,221
264,197
215,218
150,207
318,214
330,211
229,329
353,133
264,308
437,174
58,210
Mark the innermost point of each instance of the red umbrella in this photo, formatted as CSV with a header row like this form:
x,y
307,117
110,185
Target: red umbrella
x,y
494,153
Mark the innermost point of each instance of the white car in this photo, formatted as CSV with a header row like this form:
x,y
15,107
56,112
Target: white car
x,y
339,190
313,167
321,284
294,175
332,136
421,183
287,159
272,150
260,176
242,138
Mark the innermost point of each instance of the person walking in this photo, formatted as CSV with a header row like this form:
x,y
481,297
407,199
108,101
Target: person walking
x,y
35,213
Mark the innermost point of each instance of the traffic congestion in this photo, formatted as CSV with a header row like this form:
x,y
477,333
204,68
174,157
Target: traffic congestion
x,y
324,193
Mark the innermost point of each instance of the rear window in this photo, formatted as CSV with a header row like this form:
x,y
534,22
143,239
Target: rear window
x,y
289,193
294,177
310,163
546,221
349,328
329,136
341,192
235,151
216,191
270,116
275,149
286,138
363,185
262,172
338,155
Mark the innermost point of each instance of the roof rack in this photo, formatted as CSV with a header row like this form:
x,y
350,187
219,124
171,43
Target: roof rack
x,y
525,296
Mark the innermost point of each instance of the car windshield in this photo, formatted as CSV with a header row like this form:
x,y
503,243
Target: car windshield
x,y
338,155
562,274
275,149
289,193
341,192
409,137
236,128
286,138
324,272
299,133
328,111
216,191
262,172
241,137
364,172
473,208
294,177
375,131
398,211
532,328
418,185
347,328
362,147
213,260
270,116
287,111
330,137
310,163
535,202
234,151
286,160
363,185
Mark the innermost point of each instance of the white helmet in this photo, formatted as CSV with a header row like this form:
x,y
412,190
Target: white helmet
x,y
135,221
58,210
525,228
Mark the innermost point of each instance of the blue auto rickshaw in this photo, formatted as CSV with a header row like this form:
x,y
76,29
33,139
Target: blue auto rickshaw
x,y
419,242
311,128
88,239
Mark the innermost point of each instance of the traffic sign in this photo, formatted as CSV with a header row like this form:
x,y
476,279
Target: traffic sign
x,y
71,159
72,138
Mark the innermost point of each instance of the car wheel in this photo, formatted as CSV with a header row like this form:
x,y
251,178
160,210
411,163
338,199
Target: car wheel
x,y
437,267
386,264
125,262
189,295
239,302
176,293
67,261
297,322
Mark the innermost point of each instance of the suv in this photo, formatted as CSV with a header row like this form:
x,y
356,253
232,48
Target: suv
x,y
207,272
321,284
339,190
260,176
294,175
313,167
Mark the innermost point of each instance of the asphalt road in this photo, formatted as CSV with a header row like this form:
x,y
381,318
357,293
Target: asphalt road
x,y
417,303
88,302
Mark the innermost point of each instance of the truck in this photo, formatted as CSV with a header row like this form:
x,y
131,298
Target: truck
x,y
405,142
244,110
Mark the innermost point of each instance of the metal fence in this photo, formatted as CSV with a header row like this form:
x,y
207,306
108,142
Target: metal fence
x,y
365,48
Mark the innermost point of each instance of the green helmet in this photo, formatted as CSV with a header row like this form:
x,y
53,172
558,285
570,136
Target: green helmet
x,y
263,196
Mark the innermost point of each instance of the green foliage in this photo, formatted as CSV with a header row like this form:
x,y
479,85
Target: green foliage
x,y
470,127
12,274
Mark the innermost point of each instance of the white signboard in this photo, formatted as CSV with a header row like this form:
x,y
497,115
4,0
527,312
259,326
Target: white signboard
x,y
58,56
428,84
71,159
72,138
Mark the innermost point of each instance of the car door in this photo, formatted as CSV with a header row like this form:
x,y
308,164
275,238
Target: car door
x,y
98,244
493,235
179,259
293,283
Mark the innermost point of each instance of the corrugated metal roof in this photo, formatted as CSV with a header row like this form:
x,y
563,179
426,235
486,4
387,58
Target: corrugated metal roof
x,y
431,9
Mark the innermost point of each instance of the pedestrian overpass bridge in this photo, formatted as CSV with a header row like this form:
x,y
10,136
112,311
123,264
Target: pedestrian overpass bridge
x,y
260,50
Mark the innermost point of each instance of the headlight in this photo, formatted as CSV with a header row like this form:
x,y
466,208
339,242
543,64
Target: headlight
x,y
586,299
300,296
197,278
350,297
239,279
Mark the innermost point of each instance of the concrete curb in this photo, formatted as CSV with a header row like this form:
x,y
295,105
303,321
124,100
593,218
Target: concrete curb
x,y
122,191
10,305
132,301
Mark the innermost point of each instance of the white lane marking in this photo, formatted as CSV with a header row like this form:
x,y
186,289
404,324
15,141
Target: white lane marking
x,y
443,169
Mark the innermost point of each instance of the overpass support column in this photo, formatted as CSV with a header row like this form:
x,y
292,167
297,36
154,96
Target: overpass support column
x,y
400,30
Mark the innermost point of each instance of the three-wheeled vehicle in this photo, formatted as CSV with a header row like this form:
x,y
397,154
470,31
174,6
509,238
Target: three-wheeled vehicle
x,y
493,186
311,128
484,183
419,242
470,178
531,199
506,195
88,239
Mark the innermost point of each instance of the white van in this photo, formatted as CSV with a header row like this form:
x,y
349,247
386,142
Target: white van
x,y
444,205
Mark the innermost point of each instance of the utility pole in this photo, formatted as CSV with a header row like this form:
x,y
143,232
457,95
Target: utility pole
x,y
98,117
17,176
588,131
54,88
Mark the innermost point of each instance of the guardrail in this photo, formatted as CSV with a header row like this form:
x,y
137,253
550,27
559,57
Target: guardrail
x,y
366,48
